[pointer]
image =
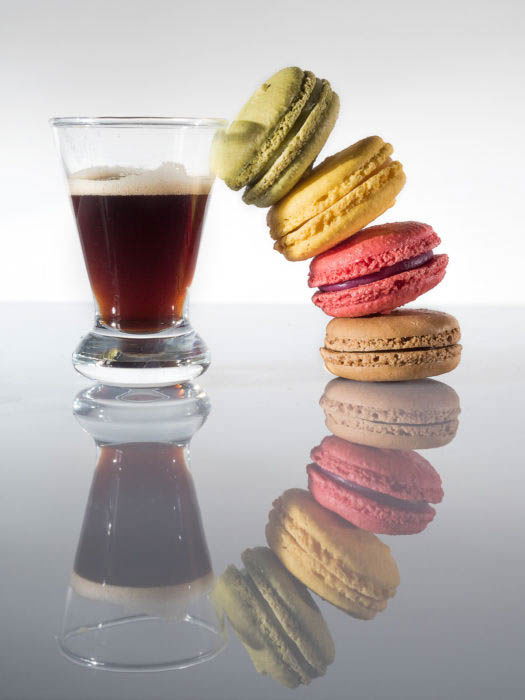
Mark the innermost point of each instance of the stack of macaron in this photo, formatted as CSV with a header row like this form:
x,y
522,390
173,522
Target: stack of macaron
x,y
367,471
365,479
361,275
268,602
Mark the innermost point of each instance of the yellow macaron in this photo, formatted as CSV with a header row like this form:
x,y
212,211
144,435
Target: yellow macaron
x,y
339,197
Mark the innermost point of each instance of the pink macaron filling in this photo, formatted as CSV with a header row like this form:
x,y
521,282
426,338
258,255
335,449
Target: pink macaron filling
x,y
397,268
381,498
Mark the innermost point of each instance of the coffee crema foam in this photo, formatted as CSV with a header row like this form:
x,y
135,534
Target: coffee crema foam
x,y
168,178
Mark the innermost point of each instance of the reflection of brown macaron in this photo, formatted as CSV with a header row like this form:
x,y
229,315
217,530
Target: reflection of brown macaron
x,y
404,344
349,567
400,416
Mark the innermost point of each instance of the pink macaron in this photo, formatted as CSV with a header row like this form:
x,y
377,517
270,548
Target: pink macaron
x,y
380,490
377,270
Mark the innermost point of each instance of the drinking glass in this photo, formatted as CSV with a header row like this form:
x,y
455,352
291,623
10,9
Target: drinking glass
x,y
139,189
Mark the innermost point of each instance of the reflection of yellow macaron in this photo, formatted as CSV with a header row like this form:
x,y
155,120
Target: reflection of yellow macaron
x,y
338,198
349,567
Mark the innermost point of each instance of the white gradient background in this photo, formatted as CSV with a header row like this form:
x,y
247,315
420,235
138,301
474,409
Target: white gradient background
x,y
442,81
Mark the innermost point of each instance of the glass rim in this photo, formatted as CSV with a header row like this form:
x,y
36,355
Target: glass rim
x,y
206,122
219,644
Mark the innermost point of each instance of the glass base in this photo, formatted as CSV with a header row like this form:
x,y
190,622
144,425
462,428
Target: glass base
x,y
119,359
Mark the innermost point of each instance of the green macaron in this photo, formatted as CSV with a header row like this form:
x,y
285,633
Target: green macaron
x,y
276,136
276,619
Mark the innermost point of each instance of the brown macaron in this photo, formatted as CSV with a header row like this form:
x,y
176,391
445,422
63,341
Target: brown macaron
x,y
404,344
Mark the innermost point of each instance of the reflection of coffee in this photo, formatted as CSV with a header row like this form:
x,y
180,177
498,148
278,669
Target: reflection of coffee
x,y
140,233
142,526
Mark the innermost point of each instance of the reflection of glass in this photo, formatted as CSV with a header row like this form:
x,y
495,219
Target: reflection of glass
x,y
139,592
139,188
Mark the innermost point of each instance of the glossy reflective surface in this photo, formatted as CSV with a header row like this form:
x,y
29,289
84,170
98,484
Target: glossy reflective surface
x,y
454,628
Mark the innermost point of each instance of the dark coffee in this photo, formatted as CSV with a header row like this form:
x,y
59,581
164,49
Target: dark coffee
x,y
140,248
142,526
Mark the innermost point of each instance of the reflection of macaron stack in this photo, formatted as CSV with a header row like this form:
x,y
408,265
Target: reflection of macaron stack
x,y
270,148
276,619
367,472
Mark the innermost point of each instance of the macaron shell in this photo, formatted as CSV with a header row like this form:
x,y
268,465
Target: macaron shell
x,y
298,155
392,366
390,435
421,402
400,474
399,330
371,250
327,183
345,217
383,295
364,512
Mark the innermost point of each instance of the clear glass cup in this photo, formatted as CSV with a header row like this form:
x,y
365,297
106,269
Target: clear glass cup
x,y
139,594
139,188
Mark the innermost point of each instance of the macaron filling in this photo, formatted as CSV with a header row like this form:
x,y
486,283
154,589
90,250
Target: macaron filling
x,y
381,498
397,268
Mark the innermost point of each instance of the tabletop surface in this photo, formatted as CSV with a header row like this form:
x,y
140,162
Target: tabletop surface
x,y
455,626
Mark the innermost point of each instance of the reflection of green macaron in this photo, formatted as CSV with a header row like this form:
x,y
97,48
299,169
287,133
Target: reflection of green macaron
x,y
276,135
275,618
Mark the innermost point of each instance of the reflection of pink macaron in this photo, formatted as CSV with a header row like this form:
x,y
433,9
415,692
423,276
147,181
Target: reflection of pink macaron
x,y
380,490
377,270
